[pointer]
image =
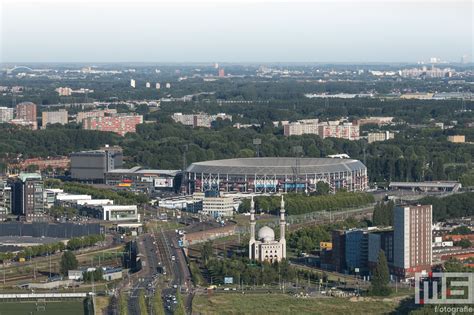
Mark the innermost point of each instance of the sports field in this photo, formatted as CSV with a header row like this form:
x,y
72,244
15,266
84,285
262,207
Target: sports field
x,y
48,308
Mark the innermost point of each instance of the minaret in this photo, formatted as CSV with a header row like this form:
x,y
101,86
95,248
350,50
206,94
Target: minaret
x,y
282,228
252,230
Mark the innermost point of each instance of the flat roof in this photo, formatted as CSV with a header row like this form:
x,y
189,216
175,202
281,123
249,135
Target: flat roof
x,y
424,184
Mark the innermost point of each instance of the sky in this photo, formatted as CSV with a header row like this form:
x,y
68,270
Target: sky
x,y
235,30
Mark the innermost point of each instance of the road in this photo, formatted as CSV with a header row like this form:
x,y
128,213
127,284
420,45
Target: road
x,y
148,276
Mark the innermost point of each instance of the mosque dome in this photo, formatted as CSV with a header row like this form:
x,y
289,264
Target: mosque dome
x,y
266,234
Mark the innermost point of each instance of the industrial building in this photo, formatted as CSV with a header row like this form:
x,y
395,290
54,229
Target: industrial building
x,y
146,180
275,174
93,165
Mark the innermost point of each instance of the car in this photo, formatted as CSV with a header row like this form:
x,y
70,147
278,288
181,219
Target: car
x,y
226,289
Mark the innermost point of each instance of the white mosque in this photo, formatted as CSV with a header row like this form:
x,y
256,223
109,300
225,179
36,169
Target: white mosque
x,y
266,248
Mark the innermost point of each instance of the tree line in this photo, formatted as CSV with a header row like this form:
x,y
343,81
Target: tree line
x,y
300,203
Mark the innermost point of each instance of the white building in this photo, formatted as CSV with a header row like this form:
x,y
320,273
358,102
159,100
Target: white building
x,y
265,247
132,83
380,136
119,213
6,114
218,206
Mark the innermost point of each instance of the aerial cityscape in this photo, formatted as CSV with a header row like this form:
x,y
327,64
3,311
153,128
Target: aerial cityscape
x,y
236,166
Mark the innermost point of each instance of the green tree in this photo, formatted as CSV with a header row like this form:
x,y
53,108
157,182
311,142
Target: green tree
x,y
322,188
142,303
206,251
158,303
380,278
463,230
68,262
180,309
464,243
123,304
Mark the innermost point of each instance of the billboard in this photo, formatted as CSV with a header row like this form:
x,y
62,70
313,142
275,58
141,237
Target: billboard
x,y
166,182
228,280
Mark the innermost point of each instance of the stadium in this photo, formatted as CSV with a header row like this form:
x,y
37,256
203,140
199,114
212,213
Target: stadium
x,y
275,174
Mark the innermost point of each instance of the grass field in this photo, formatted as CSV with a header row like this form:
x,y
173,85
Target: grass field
x,y
52,308
284,304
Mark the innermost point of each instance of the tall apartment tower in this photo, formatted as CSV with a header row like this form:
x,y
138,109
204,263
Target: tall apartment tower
x,y
27,112
412,240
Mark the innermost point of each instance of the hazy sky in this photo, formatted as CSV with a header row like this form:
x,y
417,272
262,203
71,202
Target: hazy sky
x,y
235,30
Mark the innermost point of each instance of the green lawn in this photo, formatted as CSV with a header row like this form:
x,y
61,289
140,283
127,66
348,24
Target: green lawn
x,y
236,303
52,308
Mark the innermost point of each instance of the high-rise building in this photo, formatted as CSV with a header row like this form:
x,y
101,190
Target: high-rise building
x,y
147,85
412,240
6,114
5,199
331,129
27,112
120,124
158,86
27,196
58,117
221,73
95,113
132,83
339,250
93,165
356,250
301,127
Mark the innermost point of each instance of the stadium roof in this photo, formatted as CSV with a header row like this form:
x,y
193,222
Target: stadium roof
x,y
276,166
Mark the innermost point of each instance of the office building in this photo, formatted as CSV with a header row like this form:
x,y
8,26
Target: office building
x,y
218,206
380,136
93,165
120,124
5,199
28,197
380,240
27,111
58,117
356,250
6,114
338,250
335,129
412,240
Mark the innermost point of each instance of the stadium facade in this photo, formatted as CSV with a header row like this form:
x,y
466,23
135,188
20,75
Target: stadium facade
x,y
276,174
